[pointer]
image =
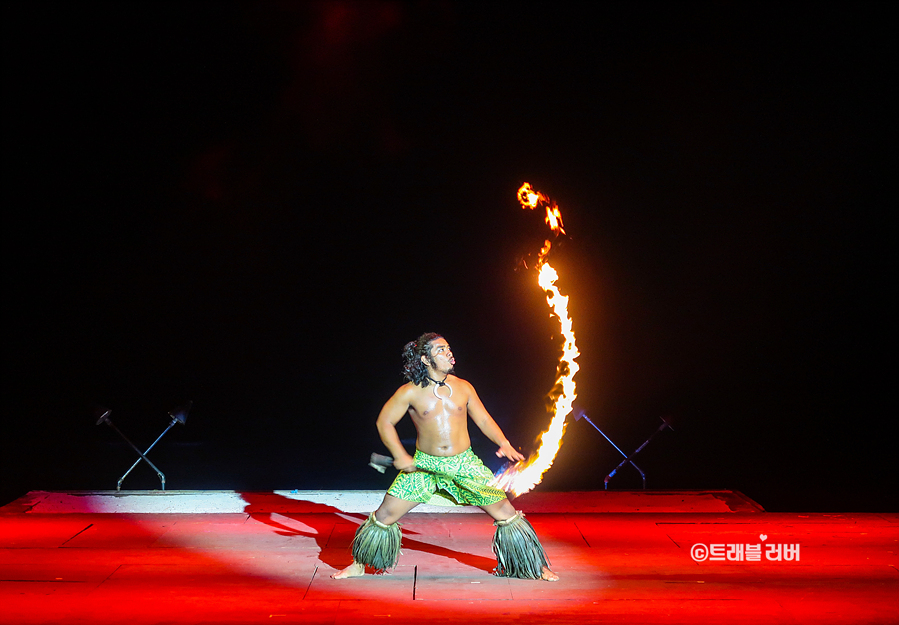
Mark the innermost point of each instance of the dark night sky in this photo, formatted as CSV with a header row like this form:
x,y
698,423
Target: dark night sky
x,y
253,206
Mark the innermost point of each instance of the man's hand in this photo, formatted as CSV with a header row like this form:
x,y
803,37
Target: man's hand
x,y
507,451
405,463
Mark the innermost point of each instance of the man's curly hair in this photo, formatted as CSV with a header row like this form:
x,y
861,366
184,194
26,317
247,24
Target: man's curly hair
x,y
414,369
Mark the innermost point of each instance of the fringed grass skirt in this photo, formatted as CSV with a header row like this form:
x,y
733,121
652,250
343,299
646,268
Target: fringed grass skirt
x,y
518,550
377,545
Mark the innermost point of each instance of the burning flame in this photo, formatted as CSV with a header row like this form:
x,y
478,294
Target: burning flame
x,y
523,476
530,199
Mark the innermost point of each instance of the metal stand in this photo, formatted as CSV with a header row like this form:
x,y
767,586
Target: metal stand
x,y
178,415
666,423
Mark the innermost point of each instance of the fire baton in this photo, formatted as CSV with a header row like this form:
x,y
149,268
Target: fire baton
x,y
380,463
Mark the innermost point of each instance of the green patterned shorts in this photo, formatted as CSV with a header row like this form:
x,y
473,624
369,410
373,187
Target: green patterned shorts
x,y
460,480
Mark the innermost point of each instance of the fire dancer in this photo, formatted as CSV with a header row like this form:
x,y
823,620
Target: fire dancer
x,y
444,470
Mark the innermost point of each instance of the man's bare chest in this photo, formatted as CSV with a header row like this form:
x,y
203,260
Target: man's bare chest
x,y
428,405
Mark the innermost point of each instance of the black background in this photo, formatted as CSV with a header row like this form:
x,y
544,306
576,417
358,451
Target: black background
x,y
253,206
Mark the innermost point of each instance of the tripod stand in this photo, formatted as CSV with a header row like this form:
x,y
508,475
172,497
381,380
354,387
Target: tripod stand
x,y
666,423
178,415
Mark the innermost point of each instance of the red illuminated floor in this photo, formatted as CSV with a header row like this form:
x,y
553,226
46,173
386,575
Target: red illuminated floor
x,y
624,557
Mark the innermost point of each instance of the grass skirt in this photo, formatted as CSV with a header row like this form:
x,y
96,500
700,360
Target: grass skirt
x,y
377,545
518,550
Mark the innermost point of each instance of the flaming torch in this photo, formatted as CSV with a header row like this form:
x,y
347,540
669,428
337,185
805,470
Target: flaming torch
x,y
523,476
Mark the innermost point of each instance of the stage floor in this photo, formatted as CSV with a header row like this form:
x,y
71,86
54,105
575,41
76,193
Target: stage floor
x,y
266,557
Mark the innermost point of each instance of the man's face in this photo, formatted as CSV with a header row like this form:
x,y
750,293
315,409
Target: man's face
x,y
441,357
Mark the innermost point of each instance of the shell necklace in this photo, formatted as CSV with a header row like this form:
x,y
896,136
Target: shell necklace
x,y
439,384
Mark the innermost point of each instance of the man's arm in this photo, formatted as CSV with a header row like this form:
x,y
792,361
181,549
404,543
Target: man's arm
x,y
394,410
488,426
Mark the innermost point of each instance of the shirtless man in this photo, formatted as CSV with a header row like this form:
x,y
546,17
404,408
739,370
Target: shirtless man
x,y
444,470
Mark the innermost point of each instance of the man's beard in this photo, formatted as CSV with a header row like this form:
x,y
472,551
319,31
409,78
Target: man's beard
x,y
452,368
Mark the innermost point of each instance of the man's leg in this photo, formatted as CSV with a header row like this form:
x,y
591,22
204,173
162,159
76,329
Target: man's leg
x,y
512,526
388,513
500,511
392,509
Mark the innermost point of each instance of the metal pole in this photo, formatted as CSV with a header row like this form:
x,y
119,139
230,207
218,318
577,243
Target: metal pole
x,y
623,462
638,450
105,418
143,456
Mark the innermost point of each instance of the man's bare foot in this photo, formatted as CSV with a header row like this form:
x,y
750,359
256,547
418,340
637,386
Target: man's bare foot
x,y
356,569
549,576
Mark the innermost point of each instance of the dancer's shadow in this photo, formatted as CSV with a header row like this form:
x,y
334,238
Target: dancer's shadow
x,y
323,519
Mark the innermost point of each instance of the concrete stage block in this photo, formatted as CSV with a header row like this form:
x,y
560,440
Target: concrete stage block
x,y
272,566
